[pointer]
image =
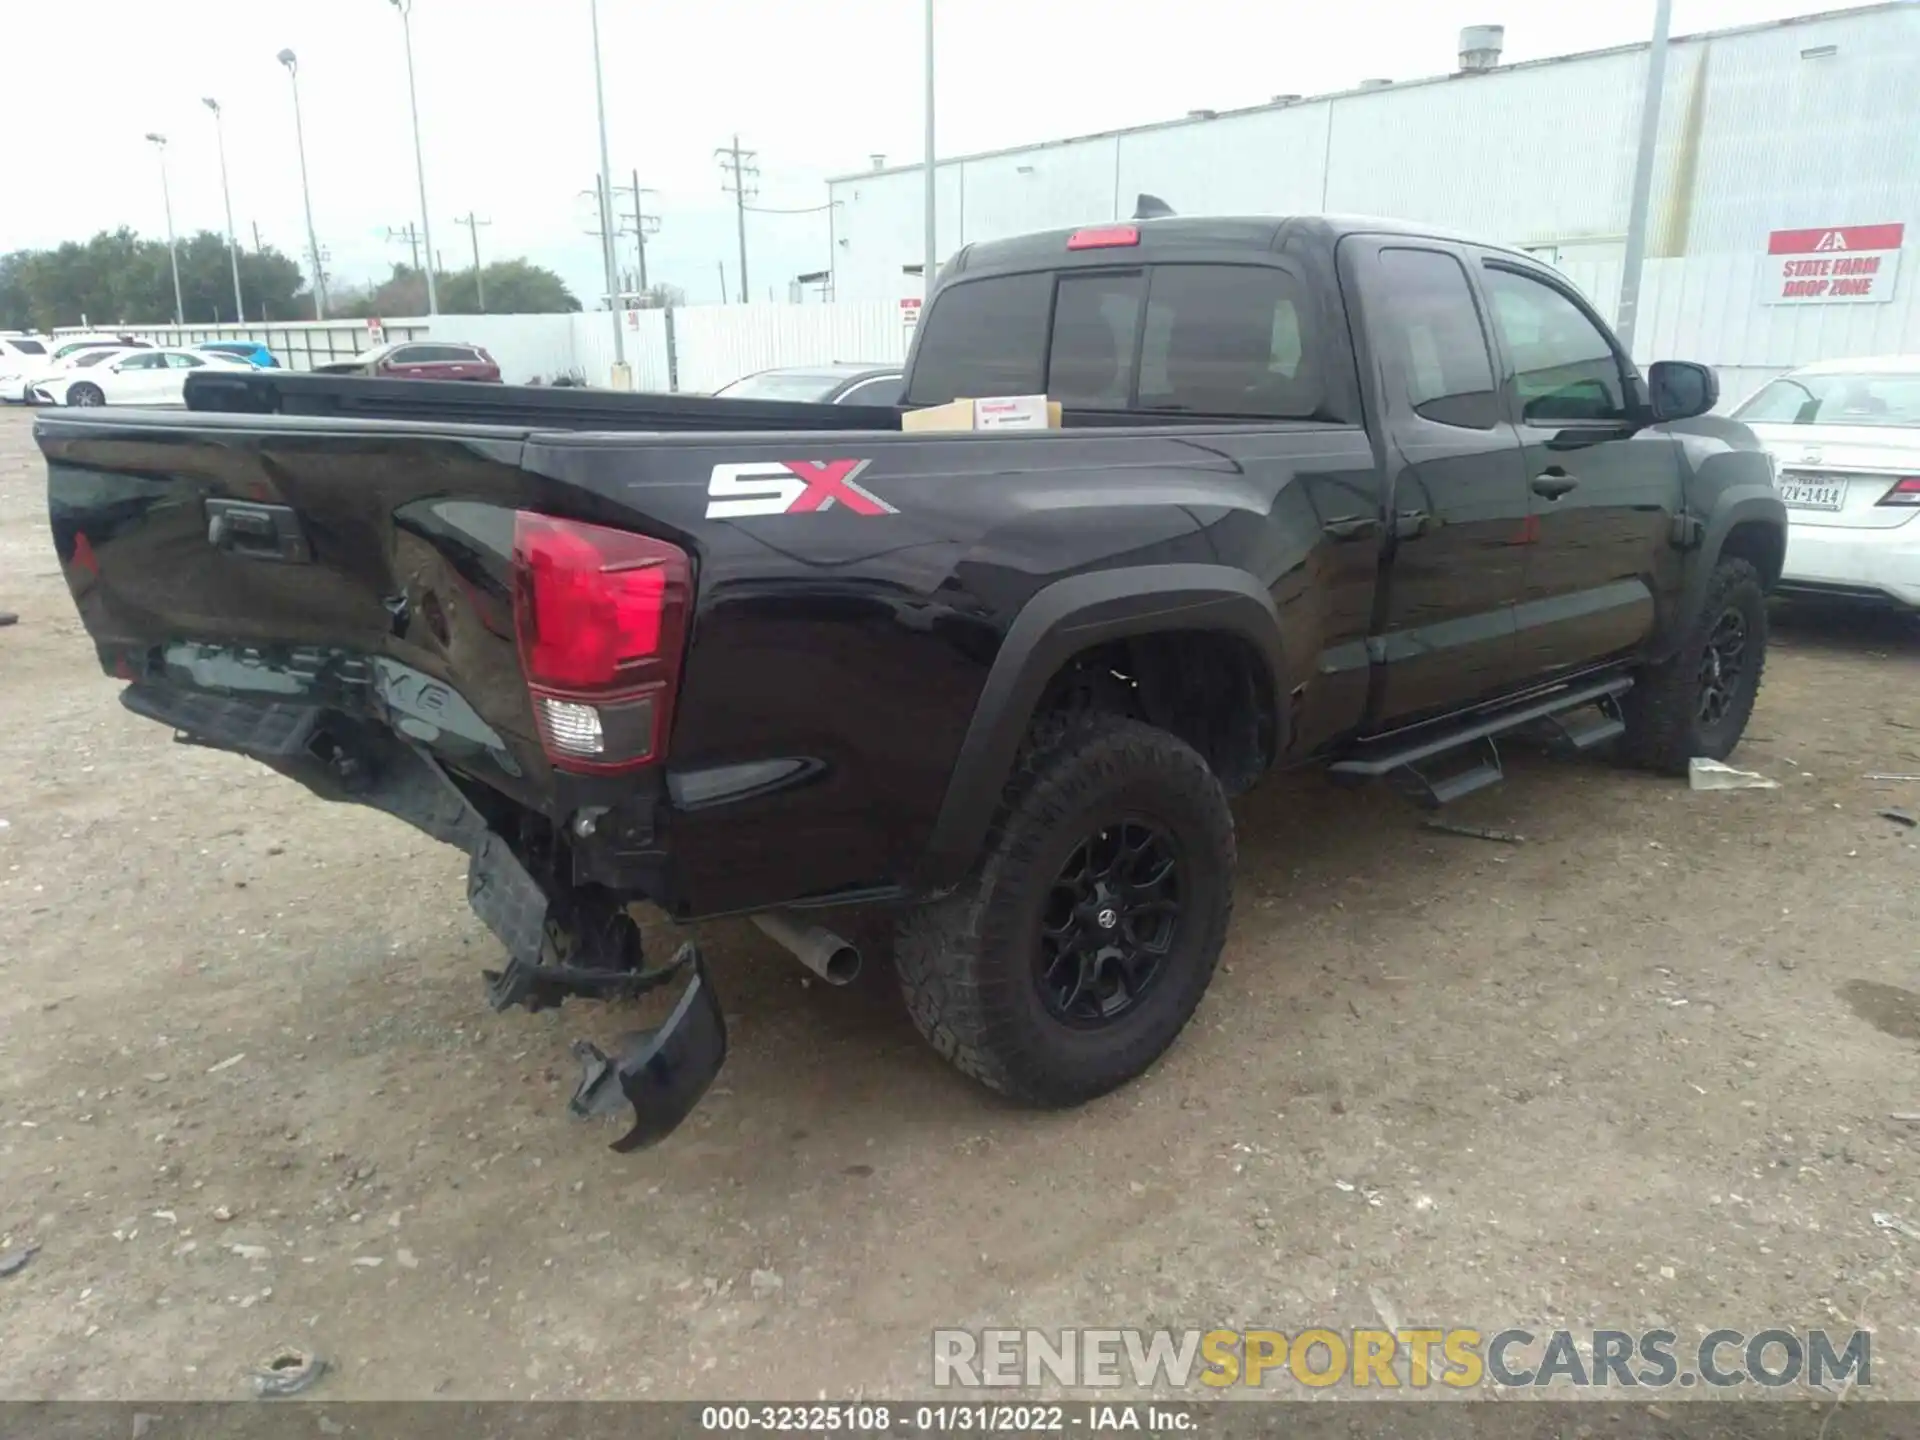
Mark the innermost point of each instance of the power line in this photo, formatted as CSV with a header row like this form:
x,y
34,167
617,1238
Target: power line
x,y
741,173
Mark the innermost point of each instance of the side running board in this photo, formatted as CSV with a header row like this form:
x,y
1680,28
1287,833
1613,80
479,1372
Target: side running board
x,y
1432,770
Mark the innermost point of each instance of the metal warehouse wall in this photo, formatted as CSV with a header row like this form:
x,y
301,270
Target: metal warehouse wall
x,y
1755,136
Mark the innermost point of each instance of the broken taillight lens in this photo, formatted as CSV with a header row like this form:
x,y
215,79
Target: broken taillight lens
x,y
1905,491
600,616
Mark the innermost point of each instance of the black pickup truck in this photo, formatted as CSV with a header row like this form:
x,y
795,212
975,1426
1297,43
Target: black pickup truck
x,y
1326,492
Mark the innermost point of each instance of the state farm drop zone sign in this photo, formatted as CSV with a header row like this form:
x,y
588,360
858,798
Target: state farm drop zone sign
x,y
1844,264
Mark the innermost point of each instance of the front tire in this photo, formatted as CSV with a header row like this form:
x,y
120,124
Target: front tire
x,y
1076,951
1698,701
85,393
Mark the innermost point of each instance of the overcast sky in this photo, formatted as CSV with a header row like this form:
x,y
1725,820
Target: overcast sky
x,y
507,104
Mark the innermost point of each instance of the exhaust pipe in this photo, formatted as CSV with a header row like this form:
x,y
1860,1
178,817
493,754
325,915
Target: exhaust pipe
x,y
824,953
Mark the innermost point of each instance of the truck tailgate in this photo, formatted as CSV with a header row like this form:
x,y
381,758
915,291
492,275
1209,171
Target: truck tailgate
x,y
279,559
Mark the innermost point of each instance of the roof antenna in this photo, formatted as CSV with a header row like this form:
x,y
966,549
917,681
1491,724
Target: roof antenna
x,y
1151,207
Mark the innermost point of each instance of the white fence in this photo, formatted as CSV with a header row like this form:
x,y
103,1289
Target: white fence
x,y
1705,308
709,346
1708,308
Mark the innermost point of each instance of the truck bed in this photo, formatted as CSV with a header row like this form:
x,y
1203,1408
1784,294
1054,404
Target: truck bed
x,y
345,397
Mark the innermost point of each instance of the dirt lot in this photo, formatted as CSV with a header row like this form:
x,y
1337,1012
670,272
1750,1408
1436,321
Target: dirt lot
x,y
1638,1071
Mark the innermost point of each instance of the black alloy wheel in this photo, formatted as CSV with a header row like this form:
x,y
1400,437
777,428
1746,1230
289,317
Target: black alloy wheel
x,y
1722,666
1110,922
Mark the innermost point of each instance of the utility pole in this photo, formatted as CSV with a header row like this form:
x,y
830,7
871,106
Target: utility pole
x,y
159,143
1635,259
405,7
292,62
606,194
410,234
724,297
258,248
473,233
741,173
643,226
933,259
233,246
639,224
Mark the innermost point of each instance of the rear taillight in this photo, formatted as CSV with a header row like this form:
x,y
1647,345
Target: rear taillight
x,y
600,616
1905,491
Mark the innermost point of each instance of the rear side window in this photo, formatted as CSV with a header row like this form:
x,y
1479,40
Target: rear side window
x,y
1096,319
178,361
28,347
1229,340
1429,329
984,337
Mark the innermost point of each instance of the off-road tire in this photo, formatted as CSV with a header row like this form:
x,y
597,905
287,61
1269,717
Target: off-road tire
x,y
1664,725
967,962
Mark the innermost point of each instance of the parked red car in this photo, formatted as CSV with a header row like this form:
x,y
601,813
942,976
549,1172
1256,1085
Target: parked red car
x,y
419,360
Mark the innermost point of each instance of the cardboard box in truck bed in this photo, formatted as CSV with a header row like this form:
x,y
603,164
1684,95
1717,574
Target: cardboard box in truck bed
x,y
1003,412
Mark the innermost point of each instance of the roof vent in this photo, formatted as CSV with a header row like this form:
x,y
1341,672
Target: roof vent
x,y
1203,114
1375,84
1480,47
1290,98
879,161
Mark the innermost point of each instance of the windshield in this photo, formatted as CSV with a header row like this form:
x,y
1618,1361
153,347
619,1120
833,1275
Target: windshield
x,y
1892,400
784,385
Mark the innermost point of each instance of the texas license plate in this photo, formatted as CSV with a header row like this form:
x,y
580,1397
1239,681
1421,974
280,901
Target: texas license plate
x,y
1812,494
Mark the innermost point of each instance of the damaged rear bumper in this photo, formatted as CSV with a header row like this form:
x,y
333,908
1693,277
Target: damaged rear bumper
x,y
660,1073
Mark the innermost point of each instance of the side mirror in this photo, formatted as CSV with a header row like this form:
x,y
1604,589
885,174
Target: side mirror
x,y
1680,389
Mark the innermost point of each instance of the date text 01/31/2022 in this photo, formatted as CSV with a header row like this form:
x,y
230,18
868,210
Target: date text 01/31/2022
x,y
944,1419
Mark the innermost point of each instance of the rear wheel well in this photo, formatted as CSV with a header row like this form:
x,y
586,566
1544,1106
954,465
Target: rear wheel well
x,y
1209,687
1761,545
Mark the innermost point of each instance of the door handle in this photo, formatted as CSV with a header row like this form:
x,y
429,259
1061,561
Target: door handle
x,y
1351,527
1553,484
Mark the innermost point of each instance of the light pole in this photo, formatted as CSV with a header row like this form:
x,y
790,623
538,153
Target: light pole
x,y
926,276
606,193
233,247
405,7
1635,259
159,143
292,62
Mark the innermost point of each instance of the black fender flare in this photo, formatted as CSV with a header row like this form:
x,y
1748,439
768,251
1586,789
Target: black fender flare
x,y
1735,505
1057,623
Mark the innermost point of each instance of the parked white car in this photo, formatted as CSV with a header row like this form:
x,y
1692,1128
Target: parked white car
x,y
64,352
129,377
21,356
1845,436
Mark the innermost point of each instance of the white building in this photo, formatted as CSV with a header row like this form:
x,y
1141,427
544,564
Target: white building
x,y
1805,124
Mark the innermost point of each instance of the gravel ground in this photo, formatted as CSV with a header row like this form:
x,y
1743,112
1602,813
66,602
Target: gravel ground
x,y
1640,1070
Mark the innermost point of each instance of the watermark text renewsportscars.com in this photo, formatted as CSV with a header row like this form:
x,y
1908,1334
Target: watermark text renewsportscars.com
x,y
1415,1359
